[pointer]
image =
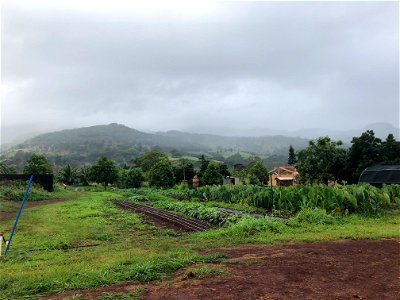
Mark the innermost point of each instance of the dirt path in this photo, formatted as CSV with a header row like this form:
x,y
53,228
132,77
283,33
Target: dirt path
x,y
11,213
329,270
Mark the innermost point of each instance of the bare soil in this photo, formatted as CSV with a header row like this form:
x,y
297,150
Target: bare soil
x,y
346,269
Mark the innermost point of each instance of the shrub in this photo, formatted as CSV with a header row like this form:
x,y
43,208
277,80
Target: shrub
x,y
249,226
16,191
212,176
131,178
37,164
161,174
313,216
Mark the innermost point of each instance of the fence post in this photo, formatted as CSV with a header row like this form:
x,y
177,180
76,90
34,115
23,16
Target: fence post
x,y
19,213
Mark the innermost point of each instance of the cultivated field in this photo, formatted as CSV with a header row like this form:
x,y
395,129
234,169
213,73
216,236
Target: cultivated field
x,y
82,246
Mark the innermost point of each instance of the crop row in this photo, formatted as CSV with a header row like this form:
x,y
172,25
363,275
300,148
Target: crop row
x,y
361,198
192,209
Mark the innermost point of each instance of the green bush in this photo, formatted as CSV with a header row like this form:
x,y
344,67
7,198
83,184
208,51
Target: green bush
x,y
161,175
313,216
248,226
16,191
131,178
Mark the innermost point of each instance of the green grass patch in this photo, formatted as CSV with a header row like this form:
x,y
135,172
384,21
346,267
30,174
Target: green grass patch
x,y
204,272
16,191
302,228
123,296
46,254
8,206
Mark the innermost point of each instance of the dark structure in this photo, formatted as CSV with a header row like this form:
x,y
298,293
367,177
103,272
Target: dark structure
x,y
44,180
379,175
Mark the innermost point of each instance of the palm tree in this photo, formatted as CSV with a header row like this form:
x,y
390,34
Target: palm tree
x,y
183,163
67,174
84,175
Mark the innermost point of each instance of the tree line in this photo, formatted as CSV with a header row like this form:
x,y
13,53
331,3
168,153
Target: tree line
x,y
326,160
154,167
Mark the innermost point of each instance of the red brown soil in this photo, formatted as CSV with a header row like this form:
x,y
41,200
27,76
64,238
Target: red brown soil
x,y
348,269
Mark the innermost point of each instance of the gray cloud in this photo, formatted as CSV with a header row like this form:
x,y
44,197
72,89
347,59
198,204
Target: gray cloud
x,y
280,65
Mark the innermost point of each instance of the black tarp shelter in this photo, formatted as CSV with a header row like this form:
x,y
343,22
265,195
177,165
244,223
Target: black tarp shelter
x,y
45,180
379,175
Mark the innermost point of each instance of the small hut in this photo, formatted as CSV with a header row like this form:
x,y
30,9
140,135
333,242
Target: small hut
x,y
283,176
231,180
195,181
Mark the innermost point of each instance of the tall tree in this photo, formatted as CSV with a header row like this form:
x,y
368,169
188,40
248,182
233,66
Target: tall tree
x,y
104,171
292,156
391,150
161,174
258,173
203,165
184,170
321,161
183,163
364,152
37,164
149,159
83,175
131,178
212,176
223,169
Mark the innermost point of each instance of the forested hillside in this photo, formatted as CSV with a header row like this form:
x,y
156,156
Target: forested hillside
x,y
123,144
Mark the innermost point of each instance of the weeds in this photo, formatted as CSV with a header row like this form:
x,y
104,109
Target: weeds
x,y
204,272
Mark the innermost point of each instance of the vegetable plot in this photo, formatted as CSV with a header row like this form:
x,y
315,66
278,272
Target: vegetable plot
x,y
340,199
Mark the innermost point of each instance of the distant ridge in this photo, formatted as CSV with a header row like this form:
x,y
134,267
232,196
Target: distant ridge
x,y
123,144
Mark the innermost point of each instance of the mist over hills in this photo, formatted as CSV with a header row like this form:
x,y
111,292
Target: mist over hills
x,y
123,144
381,130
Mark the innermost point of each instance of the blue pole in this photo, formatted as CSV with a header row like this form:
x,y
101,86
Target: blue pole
x,y
19,213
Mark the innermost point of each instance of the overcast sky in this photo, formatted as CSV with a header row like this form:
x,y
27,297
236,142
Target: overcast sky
x,y
198,67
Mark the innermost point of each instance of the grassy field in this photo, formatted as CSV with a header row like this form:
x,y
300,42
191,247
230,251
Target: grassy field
x,y
85,241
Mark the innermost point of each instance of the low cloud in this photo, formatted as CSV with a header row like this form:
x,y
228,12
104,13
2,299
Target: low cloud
x,y
285,65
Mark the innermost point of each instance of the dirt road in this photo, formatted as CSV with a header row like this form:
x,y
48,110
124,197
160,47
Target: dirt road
x,y
347,269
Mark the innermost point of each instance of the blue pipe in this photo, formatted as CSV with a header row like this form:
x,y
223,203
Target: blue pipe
x,y
19,213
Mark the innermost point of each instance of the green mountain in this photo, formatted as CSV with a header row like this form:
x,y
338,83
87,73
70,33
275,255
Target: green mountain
x,y
124,144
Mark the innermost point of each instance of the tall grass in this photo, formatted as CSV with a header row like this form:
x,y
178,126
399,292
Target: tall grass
x,y
16,191
341,199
